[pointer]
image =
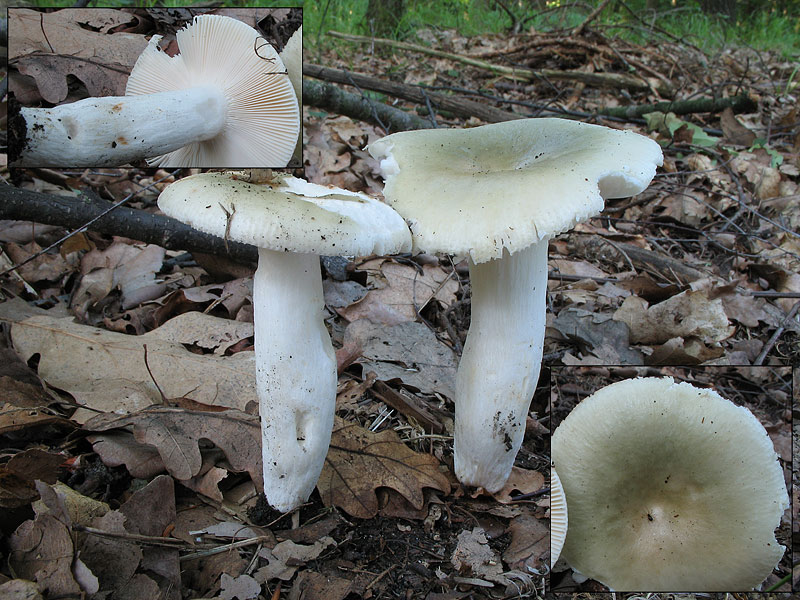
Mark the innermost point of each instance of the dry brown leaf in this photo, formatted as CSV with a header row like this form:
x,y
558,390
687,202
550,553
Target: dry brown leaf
x,y
524,481
232,295
252,16
79,508
235,530
287,556
243,587
755,168
17,476
747,310
606,338
105,370
395,506
473,555
205,578
351,391
15,491
42,549
150,511
580,268
45,267
51,46
19,589
206,331
704,168
735,132
316,586
404,292
130,268
23,394
408,351
117,448
208,483
142,587
112,559
688,208
340,294
530,543
360,461
679,351
35,463
176,434
690,313
323,156
15,418
312,530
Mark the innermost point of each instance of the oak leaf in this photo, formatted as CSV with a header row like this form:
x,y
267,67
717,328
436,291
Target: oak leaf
x,y
359,462
177,432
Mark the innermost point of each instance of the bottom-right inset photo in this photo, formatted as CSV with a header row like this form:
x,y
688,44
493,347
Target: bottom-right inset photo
x,y
674,479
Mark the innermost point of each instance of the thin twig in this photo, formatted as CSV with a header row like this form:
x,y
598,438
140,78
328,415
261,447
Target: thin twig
x,y
150,540
431,112
774,338
371,104
225,547
383,574
86,226
592,16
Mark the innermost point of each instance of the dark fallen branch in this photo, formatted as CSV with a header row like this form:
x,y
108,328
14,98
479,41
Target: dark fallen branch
x,y
592,16
457,106
73,212
465,108
331,98
612,80
739,104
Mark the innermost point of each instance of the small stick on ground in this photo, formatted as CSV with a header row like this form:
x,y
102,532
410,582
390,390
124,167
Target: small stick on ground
x,y
592,16
774,339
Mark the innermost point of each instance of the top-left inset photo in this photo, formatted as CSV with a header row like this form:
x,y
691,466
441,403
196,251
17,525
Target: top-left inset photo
x,y
167,87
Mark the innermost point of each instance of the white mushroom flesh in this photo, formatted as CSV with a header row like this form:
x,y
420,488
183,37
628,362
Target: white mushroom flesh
x,y
499,366
295,374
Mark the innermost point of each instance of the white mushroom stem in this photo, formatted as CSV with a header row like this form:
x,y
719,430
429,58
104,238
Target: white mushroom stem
x,y
499,367
115,130
295,374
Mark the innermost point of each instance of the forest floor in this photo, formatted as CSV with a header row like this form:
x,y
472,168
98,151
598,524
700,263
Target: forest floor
x,y
697,278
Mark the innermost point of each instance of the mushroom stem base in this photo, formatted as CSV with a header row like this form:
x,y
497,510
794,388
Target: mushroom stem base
x,y
115,130
499,367
295,374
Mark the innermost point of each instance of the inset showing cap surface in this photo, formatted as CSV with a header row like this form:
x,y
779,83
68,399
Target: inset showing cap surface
x,y
670,488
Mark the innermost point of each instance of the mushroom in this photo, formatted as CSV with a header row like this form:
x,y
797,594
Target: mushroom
x,y
292,222
670,488
225,100
559,520
497,193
